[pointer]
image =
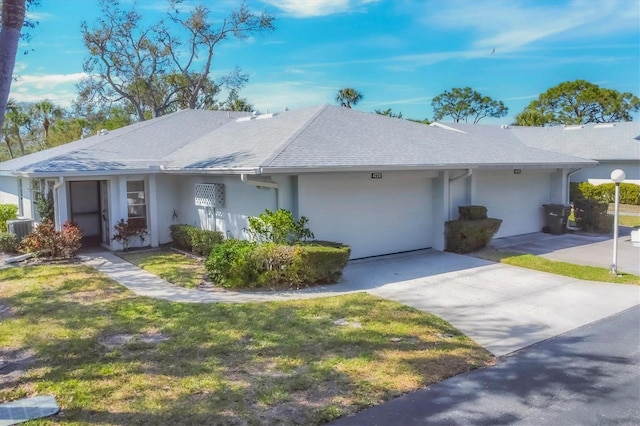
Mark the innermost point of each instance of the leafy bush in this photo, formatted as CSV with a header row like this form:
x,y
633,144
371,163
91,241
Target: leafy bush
x,y
7,212
230,264
124,233
279,227
45,207
8,243
237,263
472,212
45,241
466,236
629,192
190,238
591,216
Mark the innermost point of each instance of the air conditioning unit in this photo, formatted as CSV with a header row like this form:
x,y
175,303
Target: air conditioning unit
x,y
20,227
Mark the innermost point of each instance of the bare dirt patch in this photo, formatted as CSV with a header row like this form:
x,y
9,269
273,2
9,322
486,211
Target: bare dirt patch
x,y
115,341
13,364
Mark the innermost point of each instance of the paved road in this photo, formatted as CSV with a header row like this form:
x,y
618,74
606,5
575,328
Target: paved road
x,y
589,376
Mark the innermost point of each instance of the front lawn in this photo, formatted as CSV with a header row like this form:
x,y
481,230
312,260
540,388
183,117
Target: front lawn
x,y
111,357
582,272
176,268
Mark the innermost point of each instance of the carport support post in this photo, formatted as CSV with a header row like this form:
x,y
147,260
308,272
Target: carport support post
x,y
617,176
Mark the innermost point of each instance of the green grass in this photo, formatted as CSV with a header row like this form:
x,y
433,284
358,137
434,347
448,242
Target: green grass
x,y
111,357
174,267
582,272
631,221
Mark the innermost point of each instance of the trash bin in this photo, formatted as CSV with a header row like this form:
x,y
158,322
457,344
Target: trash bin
x,y
556,216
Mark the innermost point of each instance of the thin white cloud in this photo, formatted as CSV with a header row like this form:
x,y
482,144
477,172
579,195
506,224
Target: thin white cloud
x,y
310,8
291,94
59,88
508,25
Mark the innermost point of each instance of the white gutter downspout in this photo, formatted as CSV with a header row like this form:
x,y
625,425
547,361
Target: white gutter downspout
x,y
261,184
464,176
56,203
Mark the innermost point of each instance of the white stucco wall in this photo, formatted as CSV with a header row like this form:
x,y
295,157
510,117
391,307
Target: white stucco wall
x,y
8,190
241,202
602,173
168,200
373,216
517,199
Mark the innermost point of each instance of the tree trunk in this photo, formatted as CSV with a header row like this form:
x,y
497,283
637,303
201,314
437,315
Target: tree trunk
x,y
13,12
8,142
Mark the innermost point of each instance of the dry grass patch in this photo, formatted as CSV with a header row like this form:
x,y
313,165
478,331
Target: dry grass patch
x,y
116,358
177,268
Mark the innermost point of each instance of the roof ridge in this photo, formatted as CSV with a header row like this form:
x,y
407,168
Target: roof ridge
x,y
294,136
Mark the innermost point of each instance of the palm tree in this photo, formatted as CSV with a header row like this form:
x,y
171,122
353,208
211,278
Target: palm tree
x,y
46,111
13,13
16,120
348,96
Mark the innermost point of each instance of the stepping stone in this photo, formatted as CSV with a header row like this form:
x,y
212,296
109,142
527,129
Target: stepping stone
x,y
21,410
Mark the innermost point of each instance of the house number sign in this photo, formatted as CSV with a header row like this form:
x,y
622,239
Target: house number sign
x,y
376,175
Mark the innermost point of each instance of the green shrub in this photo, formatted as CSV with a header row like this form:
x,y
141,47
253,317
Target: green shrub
x,y
8,243
45,241
203,241
629,192
181,236
279,227
230,264
466,236
322,262
242,264
591,216
7,212
472,212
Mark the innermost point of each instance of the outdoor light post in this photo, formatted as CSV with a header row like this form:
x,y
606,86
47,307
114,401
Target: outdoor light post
x,y
617,176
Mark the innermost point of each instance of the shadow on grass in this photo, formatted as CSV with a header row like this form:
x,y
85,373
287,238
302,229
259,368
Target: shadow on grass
x,y
220,360
566,380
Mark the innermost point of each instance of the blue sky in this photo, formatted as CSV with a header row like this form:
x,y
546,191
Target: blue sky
x,y
398,53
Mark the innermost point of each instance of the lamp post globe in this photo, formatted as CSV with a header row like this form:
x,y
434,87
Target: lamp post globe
x,y
617,176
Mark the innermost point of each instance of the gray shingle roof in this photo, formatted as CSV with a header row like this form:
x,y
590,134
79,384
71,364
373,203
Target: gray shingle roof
x,y
129,148
338,137
609,141
320,138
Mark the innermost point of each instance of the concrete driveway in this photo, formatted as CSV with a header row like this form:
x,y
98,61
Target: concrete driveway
x,y
503,308
578,248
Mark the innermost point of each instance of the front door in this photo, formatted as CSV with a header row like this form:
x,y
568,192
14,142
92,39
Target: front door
x,y
85,210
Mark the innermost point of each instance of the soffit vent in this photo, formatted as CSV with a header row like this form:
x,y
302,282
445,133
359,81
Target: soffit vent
x,y
209,194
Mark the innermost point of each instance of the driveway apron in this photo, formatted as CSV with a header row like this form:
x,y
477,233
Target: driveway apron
x,y
503,308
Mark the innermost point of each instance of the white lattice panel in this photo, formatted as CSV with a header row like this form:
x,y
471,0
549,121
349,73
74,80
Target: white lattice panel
x,y
209,194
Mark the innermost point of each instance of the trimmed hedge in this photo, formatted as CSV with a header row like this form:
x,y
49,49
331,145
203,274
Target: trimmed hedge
x,y
591,216
466,236
244,264
472,212
196,240
629,192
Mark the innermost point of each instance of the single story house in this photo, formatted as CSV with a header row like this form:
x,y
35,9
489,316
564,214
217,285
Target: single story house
x,y
612,145
379,184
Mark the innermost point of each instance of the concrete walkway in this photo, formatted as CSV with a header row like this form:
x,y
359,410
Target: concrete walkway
x,y
501,307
